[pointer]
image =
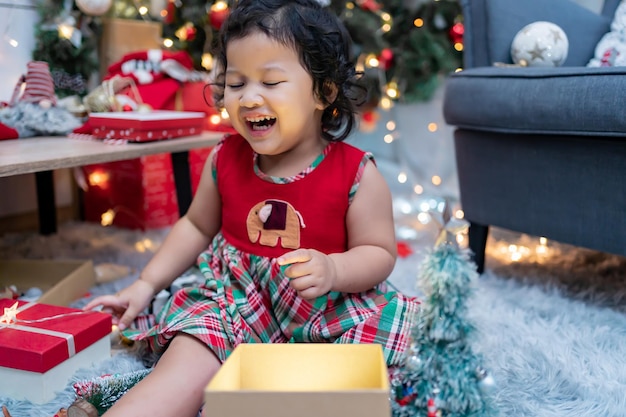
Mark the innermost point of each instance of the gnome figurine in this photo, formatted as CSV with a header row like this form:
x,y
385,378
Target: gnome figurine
x,y
33,109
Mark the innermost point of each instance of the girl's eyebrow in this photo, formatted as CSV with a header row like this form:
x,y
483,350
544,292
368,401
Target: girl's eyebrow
x,y
268,68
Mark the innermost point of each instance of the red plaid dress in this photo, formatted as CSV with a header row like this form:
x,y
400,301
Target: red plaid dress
x,y
247,299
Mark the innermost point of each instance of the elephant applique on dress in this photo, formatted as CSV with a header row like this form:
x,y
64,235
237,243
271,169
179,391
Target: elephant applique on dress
x,y
271,220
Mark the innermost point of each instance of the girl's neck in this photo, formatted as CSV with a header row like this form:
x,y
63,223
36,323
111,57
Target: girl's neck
x,y
292,162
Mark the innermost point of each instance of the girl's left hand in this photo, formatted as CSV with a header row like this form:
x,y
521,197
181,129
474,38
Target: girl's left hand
x,y
312,272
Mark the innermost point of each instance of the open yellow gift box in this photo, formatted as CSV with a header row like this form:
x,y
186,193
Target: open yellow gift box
x,y
300,380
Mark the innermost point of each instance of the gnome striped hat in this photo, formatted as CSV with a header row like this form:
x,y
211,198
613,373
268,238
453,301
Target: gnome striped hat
x,y
39,84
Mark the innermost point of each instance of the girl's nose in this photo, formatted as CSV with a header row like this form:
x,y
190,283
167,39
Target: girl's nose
x,y
250,98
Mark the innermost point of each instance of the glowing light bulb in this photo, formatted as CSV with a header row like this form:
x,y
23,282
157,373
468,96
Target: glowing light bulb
x,y
66,31
423,218
215,119
98,179
402,177
385,103
372,61
106,219
207,61
219,6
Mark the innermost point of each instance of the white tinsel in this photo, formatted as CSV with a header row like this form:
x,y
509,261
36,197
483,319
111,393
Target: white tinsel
x,y
30,119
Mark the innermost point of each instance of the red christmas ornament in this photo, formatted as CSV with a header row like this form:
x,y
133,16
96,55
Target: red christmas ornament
x,y
191,33
369,5
170,12
404,249
385,60
456,32
218,13
432,408
369,117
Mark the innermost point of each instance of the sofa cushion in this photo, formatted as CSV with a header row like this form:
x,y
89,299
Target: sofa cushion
x,y
505,18
561,100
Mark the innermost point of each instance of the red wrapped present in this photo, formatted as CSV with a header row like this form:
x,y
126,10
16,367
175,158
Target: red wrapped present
x,y
142,127
196,96
42,346
137,193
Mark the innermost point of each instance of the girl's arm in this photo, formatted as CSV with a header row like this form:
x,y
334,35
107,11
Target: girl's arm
x,y
372,248
188,238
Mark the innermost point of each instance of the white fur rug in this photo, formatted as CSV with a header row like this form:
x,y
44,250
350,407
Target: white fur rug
x,y
551,329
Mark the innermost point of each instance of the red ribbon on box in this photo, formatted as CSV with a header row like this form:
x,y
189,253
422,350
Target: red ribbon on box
x,y
41,336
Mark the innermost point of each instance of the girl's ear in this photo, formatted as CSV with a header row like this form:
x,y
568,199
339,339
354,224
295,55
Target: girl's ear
x,y
330,94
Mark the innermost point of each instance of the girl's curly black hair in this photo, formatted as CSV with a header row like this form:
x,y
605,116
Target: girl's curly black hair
x,y
320,39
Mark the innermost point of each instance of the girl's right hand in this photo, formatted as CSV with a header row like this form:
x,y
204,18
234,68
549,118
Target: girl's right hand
x,y
126,304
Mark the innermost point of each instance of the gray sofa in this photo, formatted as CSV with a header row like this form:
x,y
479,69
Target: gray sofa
x,y
540,151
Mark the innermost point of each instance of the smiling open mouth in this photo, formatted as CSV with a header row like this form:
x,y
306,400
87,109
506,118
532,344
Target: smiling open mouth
x,y
261,123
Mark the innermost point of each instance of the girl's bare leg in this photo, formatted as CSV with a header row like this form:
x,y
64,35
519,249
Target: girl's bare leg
x,y
176,385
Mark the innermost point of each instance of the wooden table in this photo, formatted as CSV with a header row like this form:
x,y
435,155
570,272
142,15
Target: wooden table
x,y
42,155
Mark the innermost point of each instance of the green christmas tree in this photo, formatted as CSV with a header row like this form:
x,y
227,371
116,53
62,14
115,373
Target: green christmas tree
x,y
66,39
441,372
403,47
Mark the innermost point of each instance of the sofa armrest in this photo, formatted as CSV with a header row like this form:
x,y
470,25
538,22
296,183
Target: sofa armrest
x,y
491,25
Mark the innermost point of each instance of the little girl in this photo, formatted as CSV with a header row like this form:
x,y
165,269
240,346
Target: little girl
x,y
291,227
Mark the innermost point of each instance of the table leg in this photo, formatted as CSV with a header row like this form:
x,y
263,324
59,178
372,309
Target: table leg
x,y
182,180
45,202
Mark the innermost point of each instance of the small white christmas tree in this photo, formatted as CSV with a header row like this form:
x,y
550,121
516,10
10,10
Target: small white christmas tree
x,y
441,374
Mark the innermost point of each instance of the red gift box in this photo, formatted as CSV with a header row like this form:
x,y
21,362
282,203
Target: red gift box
x,y
143,127
196,96
42,346
139,193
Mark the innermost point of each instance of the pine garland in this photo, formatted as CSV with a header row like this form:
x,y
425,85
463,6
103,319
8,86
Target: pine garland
x,y
102,392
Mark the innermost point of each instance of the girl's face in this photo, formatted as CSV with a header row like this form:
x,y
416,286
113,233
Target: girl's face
x,y
269,96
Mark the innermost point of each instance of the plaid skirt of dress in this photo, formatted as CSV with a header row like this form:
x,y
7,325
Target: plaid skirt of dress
x,y
247,299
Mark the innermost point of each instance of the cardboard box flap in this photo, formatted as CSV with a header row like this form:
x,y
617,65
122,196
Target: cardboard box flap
x,y
62,282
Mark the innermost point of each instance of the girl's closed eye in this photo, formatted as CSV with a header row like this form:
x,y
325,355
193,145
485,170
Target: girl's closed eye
x,y
234,86
272,83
